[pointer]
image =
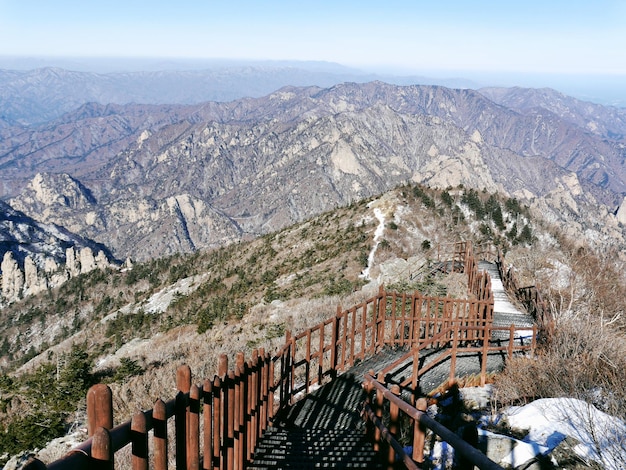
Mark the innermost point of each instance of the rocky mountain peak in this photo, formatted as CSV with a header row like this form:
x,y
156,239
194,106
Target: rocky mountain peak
x,y
36,256
48,189
170,179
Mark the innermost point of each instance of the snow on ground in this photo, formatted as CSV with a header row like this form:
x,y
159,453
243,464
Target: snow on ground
x,y
550,420
377,234
160,301
594,435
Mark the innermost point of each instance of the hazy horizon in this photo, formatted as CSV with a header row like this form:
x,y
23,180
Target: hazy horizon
x,y
602,89
577,47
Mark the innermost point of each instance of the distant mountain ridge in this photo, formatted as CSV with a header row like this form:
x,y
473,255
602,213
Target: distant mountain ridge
x,y
170,178
43,94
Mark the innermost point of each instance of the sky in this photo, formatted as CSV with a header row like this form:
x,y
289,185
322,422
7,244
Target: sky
x,y
482,36
550,36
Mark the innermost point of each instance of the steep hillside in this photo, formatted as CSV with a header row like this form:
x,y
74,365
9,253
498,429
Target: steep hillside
x,y
132,327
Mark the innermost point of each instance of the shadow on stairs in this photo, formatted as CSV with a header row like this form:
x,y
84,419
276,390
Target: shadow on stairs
x,y
322,430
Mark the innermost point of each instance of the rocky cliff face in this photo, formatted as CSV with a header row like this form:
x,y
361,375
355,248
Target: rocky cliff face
x,y
206,175
30,279
621,213
35,256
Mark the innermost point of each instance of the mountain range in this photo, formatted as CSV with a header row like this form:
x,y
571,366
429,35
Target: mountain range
x,y
370,180
148,180
157,179
39,94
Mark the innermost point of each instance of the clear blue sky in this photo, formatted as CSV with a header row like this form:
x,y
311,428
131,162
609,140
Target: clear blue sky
x,y
544,36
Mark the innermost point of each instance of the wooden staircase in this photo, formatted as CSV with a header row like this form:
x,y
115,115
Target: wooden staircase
x,y
322,430
325,430
303,406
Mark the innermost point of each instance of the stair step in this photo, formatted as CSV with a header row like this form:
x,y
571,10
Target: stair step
x,y
314,448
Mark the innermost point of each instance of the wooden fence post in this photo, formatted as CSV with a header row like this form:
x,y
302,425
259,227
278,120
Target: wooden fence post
x,y
320,353
180,425
240,391
183,378
230,422
334,341
182,416
222,366
379,414
415,369
292,369
412,316
486,336
254,398
353,310
419,433
271,386
139,441
160,435
394,413
207,392
217,421
99,408
382,316
369,425
102,450
249,405
455,340
263,379
307,363
193,429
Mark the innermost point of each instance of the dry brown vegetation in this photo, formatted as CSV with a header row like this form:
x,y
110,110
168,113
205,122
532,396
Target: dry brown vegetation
x,y
248,295
585,357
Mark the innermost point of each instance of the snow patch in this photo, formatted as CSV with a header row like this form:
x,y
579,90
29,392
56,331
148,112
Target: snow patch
x,y
160,301
377,234
549,420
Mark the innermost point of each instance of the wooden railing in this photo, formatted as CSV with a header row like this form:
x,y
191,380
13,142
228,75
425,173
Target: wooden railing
x,y
233,410
235,407
529,296
460,337
384,435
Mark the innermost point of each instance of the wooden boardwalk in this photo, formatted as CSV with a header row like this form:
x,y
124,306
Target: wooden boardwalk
x,y
505,312
324,430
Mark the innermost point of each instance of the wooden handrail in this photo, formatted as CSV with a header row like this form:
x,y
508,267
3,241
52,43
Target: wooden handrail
x,y
472,454
120,437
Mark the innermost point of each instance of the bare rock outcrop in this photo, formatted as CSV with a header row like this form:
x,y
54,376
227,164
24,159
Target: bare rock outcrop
x,y
621,213
30,279
12,278
34,281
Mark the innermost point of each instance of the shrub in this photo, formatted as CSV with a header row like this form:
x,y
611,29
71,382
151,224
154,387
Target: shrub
x,y
582,359
447,199
585,360
128,368
30,431
53,393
